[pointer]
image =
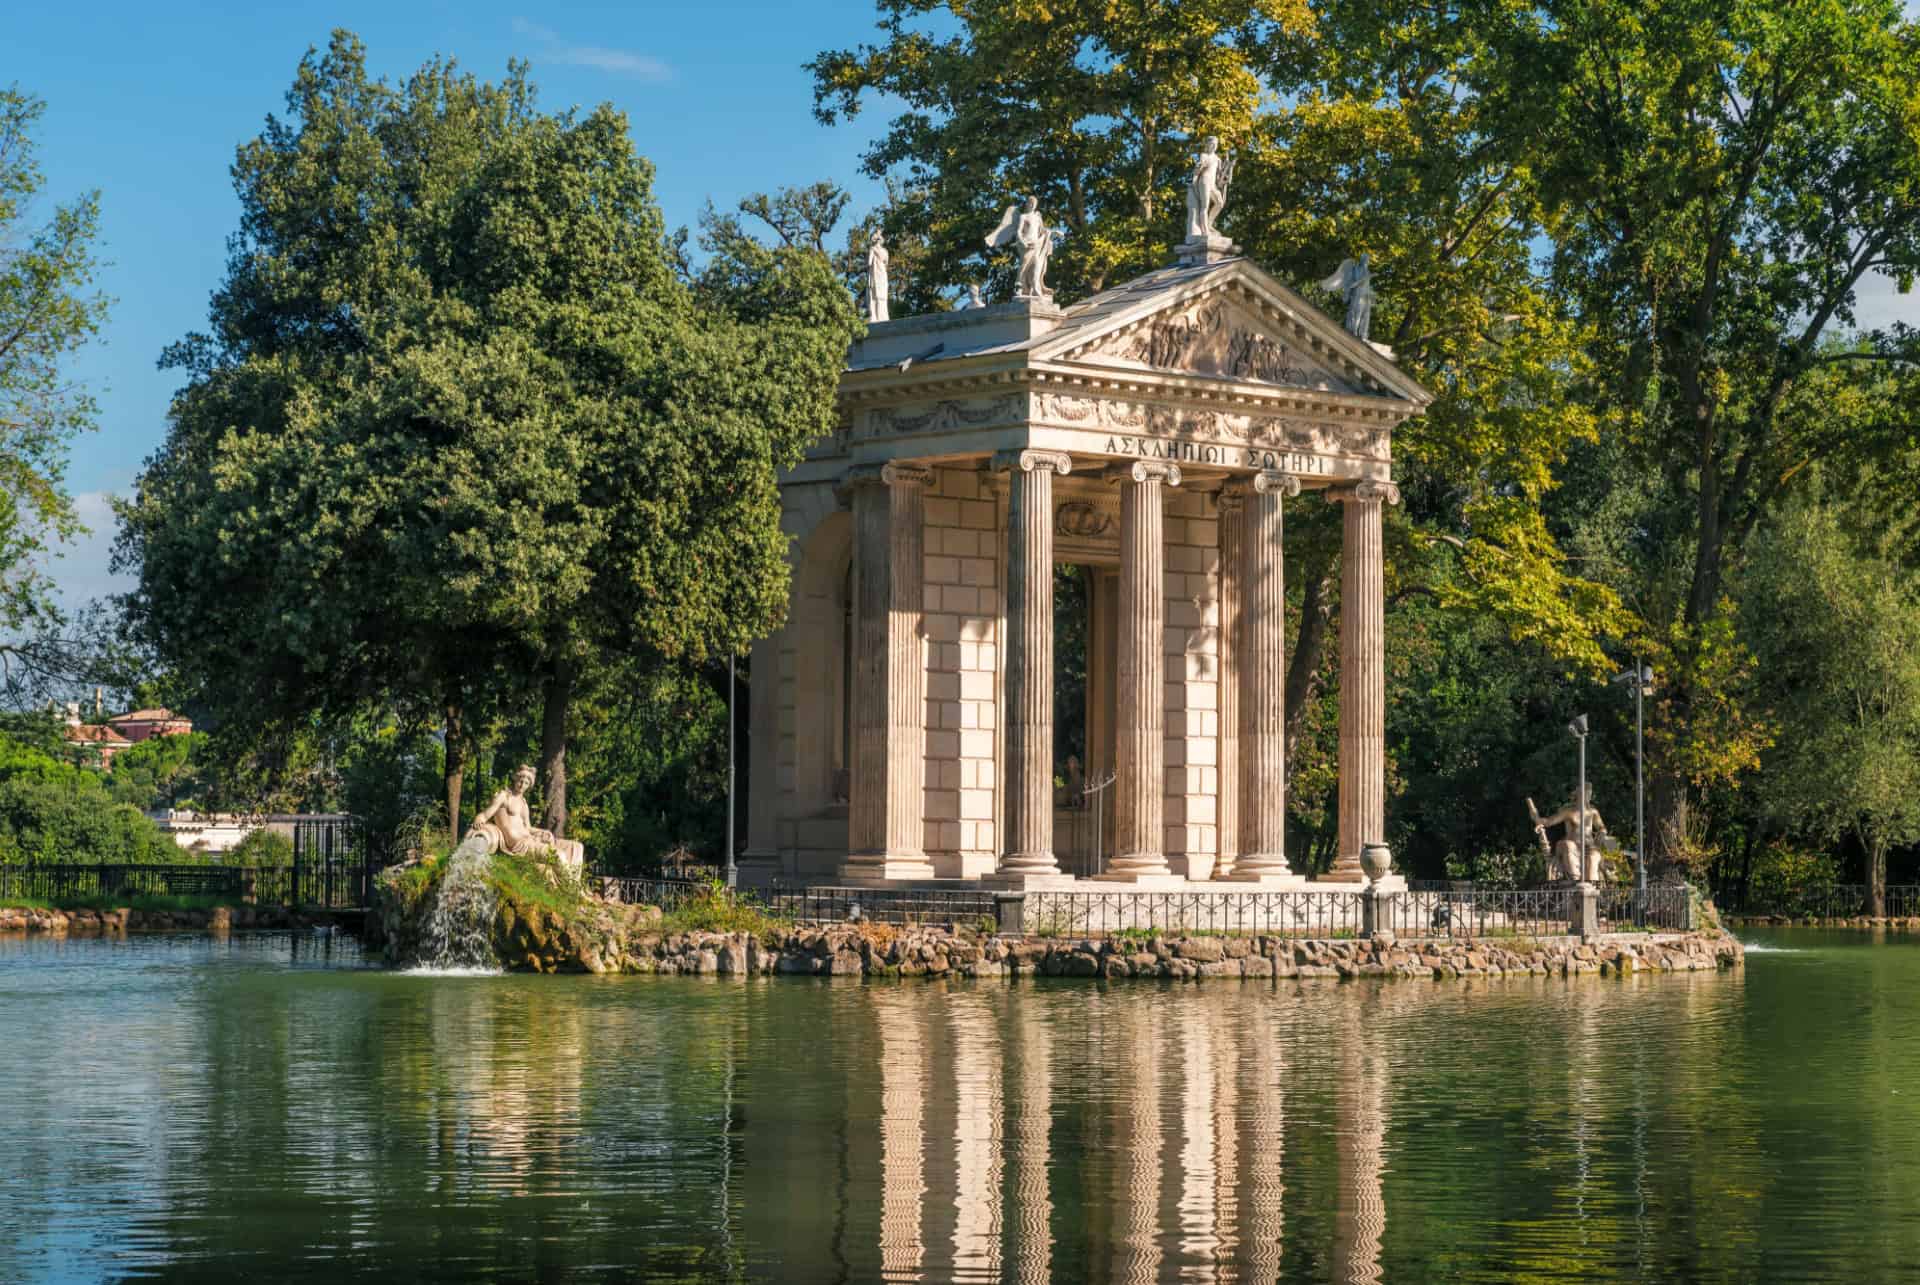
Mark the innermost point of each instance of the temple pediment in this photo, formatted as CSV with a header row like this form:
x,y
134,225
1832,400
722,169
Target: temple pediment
x,y
1218,337
1229,322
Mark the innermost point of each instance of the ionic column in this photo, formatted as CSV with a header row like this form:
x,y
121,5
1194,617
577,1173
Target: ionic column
x,y
887,787
1027,831
1263,679
1363,676
1141,717
1229,503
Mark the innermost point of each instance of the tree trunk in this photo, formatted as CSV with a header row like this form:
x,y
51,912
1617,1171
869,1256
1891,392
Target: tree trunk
x,y
456,761
1876,877
558,695
1666,809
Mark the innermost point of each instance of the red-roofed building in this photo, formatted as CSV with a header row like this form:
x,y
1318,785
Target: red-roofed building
x,y
144,723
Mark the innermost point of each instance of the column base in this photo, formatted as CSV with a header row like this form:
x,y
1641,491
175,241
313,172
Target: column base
x,y
1263,883
1013,881
1346,869
889,865
1156,881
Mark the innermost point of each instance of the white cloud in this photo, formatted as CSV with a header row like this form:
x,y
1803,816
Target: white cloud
x,y
619,62
1878,303
81,568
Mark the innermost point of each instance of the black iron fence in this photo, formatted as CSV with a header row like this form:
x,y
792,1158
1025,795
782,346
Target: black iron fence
x,y
664,893
822,905
1280,914
339,882
1458,911
1831,901
1666,908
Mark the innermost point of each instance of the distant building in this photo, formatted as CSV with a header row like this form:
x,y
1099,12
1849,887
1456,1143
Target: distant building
x,y
117,733
143,723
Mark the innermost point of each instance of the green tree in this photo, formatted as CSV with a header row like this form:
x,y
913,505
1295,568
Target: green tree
x,y
1720,177
48,310
461,430
1837,629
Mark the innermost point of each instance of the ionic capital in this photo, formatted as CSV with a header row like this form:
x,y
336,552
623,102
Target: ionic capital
x,y
1366,493
1030,461
1273,481
890,473
1145,471
1231,498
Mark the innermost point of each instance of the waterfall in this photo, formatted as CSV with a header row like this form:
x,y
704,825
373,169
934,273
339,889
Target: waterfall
x,y
457,934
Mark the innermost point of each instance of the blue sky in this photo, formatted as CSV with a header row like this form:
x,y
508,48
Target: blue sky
x,y
147,103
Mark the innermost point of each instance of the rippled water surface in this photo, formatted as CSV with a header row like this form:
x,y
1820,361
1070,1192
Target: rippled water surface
x,y
266,1108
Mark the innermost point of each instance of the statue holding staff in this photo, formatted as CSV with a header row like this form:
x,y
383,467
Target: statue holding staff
x,y
1354,279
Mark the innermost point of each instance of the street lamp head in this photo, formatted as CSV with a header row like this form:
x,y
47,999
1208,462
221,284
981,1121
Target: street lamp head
x,y
1579,725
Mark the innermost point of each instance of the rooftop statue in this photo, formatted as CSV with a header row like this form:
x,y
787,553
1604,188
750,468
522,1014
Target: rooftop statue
x,y
1029,231
974,298
1354,279
507,825
1207,190
877,277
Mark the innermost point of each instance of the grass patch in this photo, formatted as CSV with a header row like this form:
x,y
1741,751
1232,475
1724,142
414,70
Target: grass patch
x,y
715,910
533,882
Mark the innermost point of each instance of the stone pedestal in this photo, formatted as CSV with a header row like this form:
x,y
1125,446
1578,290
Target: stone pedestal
x,y
1027,768
1141,714
887,786
1263,682
1363,676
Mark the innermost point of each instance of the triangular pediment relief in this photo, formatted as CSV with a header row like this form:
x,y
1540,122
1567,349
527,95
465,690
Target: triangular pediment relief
x,y
1232,323
1212,336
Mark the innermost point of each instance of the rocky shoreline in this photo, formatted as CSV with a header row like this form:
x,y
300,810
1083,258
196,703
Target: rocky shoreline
x,y
126,919
1894,923
877,951
626,940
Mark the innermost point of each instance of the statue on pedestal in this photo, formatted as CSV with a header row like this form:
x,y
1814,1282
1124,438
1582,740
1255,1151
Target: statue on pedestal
x,y
507,825
877,277
1354,279
1207,190
1029,231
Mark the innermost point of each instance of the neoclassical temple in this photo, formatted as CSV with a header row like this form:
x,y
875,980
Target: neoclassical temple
x,y
1152,438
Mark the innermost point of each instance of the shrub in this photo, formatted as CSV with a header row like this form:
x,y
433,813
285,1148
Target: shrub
x,y
262,847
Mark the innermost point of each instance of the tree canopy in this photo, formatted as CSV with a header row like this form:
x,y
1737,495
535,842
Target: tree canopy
x,y
459,429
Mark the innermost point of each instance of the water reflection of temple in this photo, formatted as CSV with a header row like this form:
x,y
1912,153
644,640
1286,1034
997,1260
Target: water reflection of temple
x,y
987,1153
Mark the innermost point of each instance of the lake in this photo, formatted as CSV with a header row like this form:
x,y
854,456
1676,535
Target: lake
x,y
267,1107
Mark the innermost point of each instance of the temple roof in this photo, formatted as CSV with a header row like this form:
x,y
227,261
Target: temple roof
x,y
1275,337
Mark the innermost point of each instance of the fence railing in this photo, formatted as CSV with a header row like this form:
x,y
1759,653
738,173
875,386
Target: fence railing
x,y
1665,908
821,905
1833,901
338,883
1280,914
1480,912
664,893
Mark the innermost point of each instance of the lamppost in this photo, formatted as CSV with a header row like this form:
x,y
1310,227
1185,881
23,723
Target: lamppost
x,y
1641,676
1579,729
732,874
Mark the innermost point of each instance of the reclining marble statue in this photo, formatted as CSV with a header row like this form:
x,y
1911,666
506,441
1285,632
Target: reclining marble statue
x,y
1563,854
507,825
